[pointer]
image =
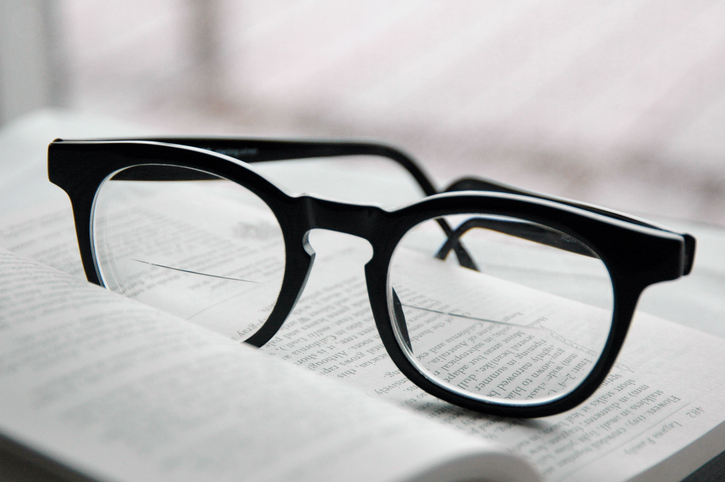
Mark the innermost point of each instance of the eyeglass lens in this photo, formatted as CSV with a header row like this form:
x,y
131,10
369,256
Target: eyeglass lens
x,y
209,251
526,323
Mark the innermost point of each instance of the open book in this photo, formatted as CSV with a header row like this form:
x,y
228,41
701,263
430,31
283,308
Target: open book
x,y
96,385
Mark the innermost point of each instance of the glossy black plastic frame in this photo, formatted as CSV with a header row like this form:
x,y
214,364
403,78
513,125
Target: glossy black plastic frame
x,y
636,253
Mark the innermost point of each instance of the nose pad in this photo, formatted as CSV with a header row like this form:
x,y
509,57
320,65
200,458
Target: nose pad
x,y
400,320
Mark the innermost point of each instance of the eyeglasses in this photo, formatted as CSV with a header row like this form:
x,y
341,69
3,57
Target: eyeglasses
x,y
524,319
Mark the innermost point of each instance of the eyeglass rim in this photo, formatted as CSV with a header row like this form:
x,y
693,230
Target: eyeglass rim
x,y
72,167
635,243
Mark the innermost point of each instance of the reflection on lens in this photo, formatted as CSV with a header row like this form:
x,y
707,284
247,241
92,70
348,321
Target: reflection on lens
x,y
204,248
526,322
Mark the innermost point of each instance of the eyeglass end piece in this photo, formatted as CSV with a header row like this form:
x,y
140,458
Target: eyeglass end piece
x,y
689,260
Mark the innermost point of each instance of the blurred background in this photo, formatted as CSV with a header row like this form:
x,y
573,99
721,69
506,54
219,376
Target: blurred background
x,y
620,103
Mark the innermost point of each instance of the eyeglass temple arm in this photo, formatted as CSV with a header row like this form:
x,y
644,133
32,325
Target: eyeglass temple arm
x,y
477,184
263,150
520,229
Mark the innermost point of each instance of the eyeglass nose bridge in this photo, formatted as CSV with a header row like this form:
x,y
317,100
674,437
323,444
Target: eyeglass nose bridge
x,y
306,214
355,219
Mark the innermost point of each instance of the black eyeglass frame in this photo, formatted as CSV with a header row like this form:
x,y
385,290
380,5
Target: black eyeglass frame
x,y
636,253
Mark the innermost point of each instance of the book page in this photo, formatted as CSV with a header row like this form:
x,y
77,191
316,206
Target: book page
x,y
116,390
649,408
